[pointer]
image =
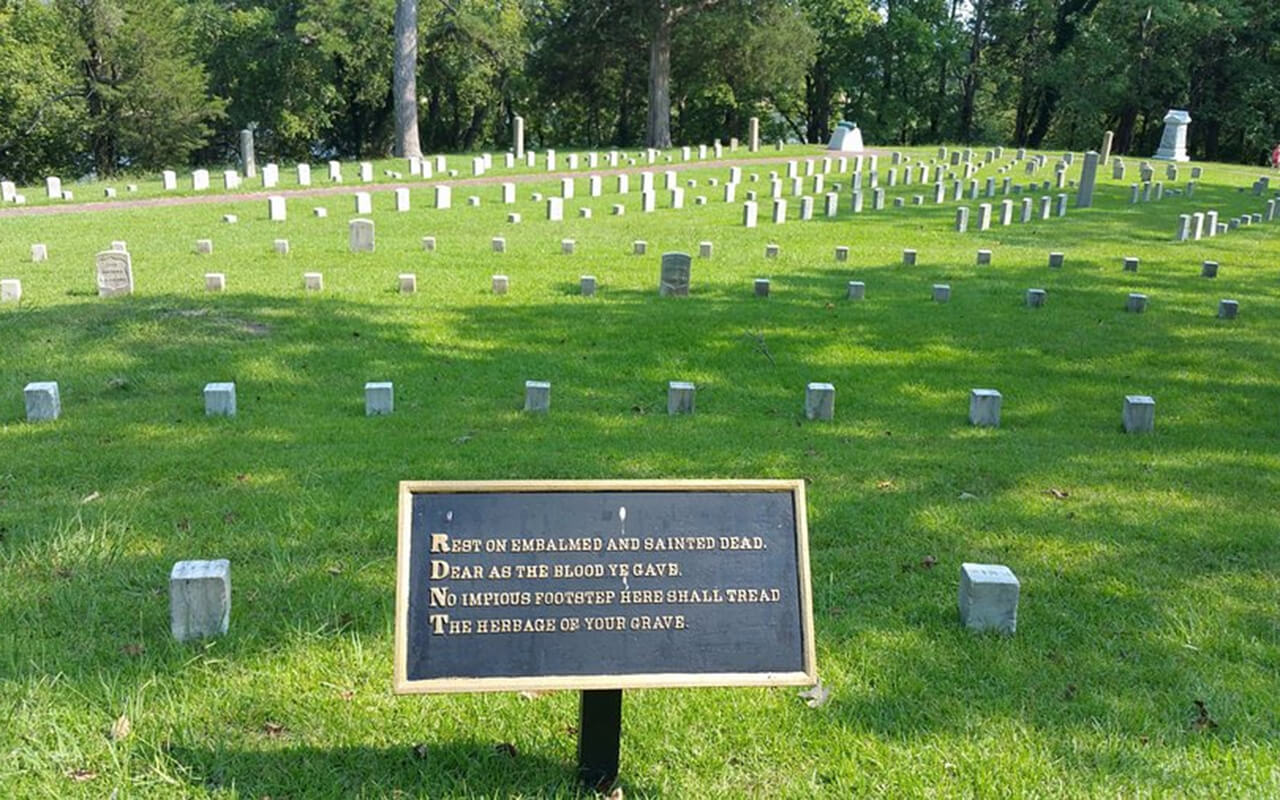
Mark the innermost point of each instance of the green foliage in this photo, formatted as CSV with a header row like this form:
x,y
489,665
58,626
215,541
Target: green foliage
x,y
144,91
40,116
129,84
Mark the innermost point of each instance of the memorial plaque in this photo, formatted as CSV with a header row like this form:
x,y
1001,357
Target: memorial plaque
x,y
511,586
115,273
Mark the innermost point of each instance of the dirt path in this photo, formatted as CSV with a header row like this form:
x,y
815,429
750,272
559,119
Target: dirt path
x,y
347,188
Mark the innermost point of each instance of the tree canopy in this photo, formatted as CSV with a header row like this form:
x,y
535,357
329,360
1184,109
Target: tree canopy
x,y
106,86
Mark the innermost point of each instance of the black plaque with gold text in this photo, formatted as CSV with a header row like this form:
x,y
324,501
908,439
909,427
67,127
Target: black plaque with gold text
x,y
507,586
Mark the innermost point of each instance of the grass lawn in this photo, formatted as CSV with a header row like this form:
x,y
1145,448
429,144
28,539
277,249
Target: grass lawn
x,y
1150,565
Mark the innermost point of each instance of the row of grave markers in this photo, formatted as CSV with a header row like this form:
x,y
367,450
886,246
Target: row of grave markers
x,y
43,402
114,270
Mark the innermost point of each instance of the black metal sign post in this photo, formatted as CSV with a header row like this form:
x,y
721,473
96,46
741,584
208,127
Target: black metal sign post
x,y
599,587
599,737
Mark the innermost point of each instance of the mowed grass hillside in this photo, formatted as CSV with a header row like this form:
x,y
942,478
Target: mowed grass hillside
x,y
1147,657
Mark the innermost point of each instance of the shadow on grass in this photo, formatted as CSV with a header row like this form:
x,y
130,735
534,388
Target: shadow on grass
x,y
471,768
299,489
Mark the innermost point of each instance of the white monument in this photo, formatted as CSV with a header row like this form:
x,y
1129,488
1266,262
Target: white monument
x,y
1173,144
846,138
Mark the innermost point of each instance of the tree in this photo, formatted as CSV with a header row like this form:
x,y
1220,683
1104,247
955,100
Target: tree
x,y
663,18
404,79
144,91
41,113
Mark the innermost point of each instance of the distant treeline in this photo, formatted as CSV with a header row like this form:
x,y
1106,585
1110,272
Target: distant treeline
x,y
108,86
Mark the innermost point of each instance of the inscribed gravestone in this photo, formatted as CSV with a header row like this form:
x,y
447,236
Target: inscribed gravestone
x,y
675,275
115,273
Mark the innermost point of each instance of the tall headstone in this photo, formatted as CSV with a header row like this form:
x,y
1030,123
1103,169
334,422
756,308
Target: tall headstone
x,y
247,160
753,135
1088,176
517,135
1105,153
1173,143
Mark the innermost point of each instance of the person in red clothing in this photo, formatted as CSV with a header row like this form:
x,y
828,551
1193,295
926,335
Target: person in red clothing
x,y
1275,157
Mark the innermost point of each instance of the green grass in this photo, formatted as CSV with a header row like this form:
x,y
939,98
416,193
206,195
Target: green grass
x,y
1153,584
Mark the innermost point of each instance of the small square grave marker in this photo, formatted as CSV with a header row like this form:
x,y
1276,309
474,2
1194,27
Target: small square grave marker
x,y
379,398
220,399
537,396
984,407
680,397
1139,414
199,599
988,598
819,401
215,282
42,401
500,284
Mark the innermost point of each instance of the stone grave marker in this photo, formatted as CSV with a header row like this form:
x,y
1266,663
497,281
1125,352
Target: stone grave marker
x,y
220,399
1139,414
675,275
115,273
379,398
42,400
360,236
988,598
199,599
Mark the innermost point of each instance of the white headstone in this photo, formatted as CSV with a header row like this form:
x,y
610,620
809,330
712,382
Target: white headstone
x,y
199,599
1173,143
988,598
220,399
115,273
379,398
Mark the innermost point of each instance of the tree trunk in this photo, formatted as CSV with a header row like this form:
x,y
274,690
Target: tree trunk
x,y
971,74
405,79
658,131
